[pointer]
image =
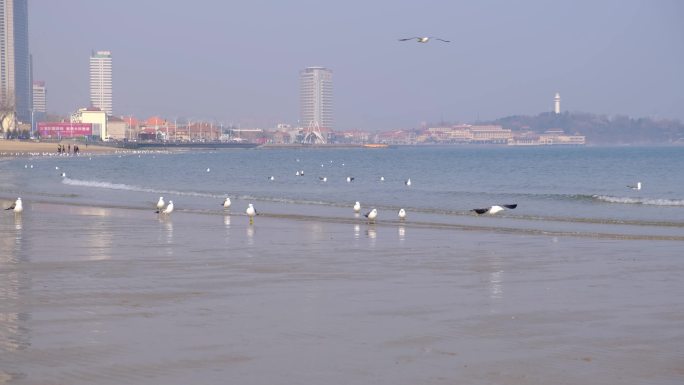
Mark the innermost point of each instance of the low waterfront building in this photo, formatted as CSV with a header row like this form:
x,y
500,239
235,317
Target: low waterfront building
x,y
96,117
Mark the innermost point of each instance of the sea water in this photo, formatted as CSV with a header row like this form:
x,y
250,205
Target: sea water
x,y
565,189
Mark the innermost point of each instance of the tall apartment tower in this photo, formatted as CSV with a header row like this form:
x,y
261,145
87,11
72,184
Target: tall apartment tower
x,y
315,93
101,81
39,96
556,103
15,76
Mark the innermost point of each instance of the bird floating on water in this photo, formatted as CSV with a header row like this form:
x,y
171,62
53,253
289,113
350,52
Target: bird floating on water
x,y
424,39
350,179
635,187
408,182
357,206
16,206
323,178
494,209
226,203
168,210
402,214
63,175
371,215
271,177
208,169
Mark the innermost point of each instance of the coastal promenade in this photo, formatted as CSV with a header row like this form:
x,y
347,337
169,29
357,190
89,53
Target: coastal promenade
x,y
13,148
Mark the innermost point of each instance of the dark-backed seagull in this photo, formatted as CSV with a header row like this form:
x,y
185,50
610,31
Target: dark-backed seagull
x,y
408,182
635,187
226,203
494,209
350,179
323,178
371,215
424,39
168,210
16,206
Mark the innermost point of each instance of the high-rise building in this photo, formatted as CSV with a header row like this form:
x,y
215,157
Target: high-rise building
x,y
101,81
556,103
316,93
15,77
39,97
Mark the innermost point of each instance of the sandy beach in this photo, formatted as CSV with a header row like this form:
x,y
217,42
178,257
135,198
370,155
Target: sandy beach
x,y
13,148
92,295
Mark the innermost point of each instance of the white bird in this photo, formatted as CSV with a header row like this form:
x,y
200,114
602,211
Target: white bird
x,y
323,178
251,212
494,209
371,215
402,214
382,179
63,175
16,206
226,203
637,187
297,173
167,210
424,39
208,169
408,182
271,177
357,207
160,203
350,179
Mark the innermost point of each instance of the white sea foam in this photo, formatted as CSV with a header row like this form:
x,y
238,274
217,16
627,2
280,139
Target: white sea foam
x,y
121,186
639,201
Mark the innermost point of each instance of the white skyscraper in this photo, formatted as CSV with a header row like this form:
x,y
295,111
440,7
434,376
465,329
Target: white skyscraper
x,y
556,103
39,97
101,81
316,92
15,76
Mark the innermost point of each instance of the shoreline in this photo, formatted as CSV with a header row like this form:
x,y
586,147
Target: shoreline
x,y
10,148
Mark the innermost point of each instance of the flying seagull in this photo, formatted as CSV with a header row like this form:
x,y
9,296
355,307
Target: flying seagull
x,y
637,187
424,39
494,209
16,206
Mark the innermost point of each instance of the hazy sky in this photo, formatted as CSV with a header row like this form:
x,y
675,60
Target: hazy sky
x,y
239,61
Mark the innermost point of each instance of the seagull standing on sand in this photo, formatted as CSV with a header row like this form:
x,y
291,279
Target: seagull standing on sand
x,y
402,214
226,203
494,209
251,212
16,206
636,187
424,39
168,210
160,203
357,207
371,215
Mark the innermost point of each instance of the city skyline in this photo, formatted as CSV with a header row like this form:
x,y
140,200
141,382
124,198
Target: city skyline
x,y
316,98
234,67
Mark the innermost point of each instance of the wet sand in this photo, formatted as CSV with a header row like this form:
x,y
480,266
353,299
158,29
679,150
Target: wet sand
x,y
12,148
112,296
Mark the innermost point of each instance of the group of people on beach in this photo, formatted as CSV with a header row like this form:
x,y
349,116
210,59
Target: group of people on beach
x,y
67,150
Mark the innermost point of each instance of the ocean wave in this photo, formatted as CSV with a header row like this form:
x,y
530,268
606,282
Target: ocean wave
x,y
639,201
126,187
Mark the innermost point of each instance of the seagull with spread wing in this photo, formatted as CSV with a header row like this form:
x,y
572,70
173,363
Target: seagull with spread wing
x,y
424,39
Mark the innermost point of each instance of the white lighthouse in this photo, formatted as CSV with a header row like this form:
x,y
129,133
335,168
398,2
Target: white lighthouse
x,y
556,103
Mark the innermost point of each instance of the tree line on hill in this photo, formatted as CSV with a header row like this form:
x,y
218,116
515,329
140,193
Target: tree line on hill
x,y
600,129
